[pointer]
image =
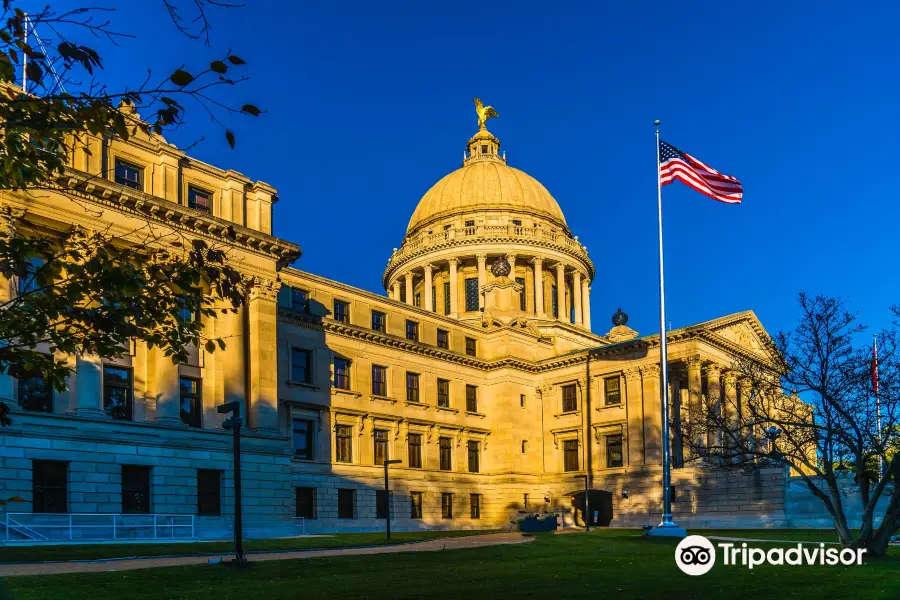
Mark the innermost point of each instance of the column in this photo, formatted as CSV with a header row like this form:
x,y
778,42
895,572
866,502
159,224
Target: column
x,y
713,405
635,411
695,404
586,303
409,287
539,287
166,390
731,429
576,295
511,259
454,288
652,414
395,290
561,291
428,286
89,386
262,357
482,277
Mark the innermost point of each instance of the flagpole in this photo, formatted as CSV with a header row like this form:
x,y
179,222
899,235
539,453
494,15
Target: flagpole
x,y
877,404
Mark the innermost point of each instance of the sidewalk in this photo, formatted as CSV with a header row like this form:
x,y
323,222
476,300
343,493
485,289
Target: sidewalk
x,y
100,566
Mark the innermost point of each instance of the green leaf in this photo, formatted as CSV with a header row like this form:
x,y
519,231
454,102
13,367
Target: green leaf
x,y
181,78
210,346
230,137
218,66
250,110
236,60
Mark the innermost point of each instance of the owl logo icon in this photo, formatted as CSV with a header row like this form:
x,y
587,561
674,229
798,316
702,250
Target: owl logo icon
x,y
695,555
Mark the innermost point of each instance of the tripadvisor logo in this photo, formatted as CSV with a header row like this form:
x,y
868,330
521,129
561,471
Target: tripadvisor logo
x,y
696,555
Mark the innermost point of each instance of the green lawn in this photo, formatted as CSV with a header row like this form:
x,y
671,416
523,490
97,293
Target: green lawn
x,y
94,551
604,564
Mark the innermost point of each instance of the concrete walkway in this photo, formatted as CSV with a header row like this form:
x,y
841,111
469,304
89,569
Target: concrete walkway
x,y
108,565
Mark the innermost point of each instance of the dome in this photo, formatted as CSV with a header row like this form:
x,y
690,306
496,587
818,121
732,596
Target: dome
x,y
486,185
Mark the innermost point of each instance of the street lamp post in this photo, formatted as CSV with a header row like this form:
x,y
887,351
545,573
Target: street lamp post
x,y
387,496
234,423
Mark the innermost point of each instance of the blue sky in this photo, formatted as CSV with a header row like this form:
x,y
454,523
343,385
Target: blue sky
x,y
368,104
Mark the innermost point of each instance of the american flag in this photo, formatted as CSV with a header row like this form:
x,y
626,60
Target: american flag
x,y
675,164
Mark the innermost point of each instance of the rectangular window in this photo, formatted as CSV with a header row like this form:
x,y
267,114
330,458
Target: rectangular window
x,y
473,449
299,300
471,398
209,492
445,446
381,446
443,339
49,486
300,366
554,301
303,439
135,489
342,373
345,503
380,504
443,393
129,174
415,505
344,442
569,398
471,295
378,321
471,347
614,451
517,222
570,455
470,223
412,331
611,392
415,450
446,505
118,392
191,401
199,199
412,387
417,300
446,297
521,281
379,380
341,311
306,502
522,400
475,506
35,393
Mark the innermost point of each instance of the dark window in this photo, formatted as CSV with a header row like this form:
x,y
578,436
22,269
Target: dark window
x,y
443,339
484,149
379,380
554,301
35,393
117,392
614,451
412,387
475,506
570,455
611,390
209,492
129,174
446,505
472,398
306,502
199,199
471,346
341,311
517,222
378,321
521,281
415,505
344,441
300,366
473,448
443,389
381,446
470,223
569,398
417,300
446,297
471,295
433,299
412,331
191,401
49,486
415,450
522,400
345,503
380,504
299,300
135,489
303,439
342,373
445,445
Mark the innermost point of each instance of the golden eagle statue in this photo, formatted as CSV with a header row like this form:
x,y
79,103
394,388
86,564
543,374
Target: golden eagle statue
x,y
484,113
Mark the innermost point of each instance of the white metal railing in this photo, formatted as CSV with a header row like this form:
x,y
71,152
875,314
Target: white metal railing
x,y
76,527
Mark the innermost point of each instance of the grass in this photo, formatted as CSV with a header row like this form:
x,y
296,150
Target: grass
x,y
9,554
603,564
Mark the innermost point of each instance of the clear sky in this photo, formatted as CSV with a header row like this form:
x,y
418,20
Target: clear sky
x,y
369,103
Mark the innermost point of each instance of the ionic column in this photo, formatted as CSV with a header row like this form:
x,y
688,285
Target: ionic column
x,y
409,287
454,306
482,277
586,303
576,295
166,389
89,386
395,290
538,287
695,402
428,284
561,291
714,404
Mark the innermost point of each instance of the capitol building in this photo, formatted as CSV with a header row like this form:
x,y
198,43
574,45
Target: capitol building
x,y
480,368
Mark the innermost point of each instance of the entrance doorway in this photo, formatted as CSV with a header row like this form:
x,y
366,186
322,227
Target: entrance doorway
x,y
599,503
